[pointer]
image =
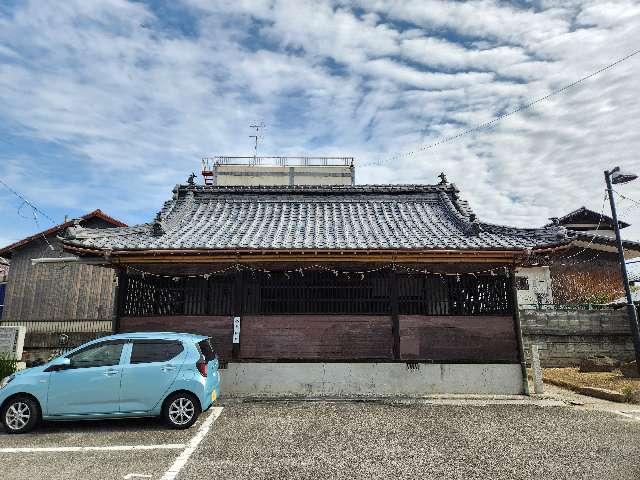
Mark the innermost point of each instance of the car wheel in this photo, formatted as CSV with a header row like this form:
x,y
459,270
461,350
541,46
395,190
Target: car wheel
x,y
20,414
181,410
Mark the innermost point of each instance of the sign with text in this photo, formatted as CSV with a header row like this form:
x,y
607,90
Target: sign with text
x,y
236,329
12,341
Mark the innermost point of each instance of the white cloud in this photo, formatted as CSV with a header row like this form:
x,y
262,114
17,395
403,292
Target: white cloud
x,y
136,105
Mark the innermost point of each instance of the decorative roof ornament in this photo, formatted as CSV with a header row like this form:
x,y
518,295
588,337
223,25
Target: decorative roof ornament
x,y
192,179
75,231
157,230
443,179
474,226
555,221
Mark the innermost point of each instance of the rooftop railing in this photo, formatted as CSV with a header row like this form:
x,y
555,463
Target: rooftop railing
x,y
209,162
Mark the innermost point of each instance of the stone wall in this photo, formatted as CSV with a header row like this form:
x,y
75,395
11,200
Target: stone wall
x,y
566,337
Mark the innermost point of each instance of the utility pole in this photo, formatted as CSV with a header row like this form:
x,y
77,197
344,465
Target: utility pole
x,y
616,176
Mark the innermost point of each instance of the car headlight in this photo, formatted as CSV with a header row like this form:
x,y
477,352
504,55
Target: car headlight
x,y
5,381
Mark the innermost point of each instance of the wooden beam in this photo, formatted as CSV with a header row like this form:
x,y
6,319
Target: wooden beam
x,y
121,292
504,258
395,310
237,304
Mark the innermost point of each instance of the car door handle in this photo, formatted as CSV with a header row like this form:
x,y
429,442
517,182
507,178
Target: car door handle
x,y
111,372
168,368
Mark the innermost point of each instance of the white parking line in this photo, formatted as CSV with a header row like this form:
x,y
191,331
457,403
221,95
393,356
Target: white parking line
x,y
182,460
168,446
629,414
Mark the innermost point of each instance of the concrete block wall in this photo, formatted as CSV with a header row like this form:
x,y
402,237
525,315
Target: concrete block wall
x,y
566,337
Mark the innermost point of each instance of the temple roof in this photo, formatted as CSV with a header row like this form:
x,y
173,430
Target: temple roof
x,y
362,217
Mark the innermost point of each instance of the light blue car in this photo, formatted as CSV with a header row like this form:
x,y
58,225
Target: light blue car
x,y
173,375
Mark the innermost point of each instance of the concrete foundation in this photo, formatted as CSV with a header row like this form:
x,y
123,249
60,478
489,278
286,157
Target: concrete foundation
x,y
378,379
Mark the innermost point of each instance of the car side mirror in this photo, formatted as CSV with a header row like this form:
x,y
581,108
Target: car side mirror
x,y
61,363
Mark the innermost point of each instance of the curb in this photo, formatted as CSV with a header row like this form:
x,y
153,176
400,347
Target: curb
x,y
601,393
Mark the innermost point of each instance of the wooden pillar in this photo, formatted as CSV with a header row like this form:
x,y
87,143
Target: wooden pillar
x,y
518,328
395,309
237,303
120,296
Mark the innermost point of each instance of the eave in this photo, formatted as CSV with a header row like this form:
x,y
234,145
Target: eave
x,y
309,256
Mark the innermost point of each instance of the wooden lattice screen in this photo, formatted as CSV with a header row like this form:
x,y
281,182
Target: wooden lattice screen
x,y
316,292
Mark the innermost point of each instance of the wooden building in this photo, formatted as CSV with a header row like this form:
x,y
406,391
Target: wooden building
x,y
47,292
588,271
334,275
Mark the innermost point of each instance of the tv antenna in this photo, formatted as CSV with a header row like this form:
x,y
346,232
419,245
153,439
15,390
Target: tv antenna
x,y
256,137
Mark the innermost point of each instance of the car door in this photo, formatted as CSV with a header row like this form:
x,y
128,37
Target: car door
x,y
90,384
152,367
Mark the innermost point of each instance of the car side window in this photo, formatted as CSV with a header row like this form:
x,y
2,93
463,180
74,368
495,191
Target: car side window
x,y
150,351
101,355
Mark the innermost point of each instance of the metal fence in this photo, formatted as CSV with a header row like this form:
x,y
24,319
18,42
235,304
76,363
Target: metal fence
x,y
61,336
565,307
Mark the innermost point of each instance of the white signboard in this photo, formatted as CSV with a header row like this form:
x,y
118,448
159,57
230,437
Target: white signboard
x,y
236,329
12,341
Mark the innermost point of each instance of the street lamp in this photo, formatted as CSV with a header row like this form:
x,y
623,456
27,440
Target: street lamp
x,y
618,176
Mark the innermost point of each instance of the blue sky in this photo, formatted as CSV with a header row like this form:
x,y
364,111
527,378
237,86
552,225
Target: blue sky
x,y
109,104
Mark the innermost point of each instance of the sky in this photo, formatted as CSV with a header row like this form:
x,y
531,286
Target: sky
x,y
109,104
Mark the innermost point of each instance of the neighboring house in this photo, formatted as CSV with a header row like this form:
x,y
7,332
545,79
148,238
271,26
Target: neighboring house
x,y
586,272
330,278
57,291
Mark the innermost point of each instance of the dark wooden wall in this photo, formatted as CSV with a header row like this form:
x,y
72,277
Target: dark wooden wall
x,y
335,337
219,328
453,338
57,291
322,316
484,339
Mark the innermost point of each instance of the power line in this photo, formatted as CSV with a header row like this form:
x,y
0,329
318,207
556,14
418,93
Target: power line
x,y
490,123
33,207
627,198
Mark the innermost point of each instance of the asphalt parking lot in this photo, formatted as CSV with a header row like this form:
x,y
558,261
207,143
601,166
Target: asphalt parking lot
x,y
355,440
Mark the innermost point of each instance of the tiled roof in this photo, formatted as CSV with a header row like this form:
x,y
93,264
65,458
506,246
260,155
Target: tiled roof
x,y
363,217
584,215
60,227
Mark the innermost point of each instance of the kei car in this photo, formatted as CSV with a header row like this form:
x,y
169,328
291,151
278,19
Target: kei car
x,y
172,375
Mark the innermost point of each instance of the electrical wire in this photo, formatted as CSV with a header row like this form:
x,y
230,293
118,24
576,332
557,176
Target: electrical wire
x,y
626,198
490,123
33,207
34,211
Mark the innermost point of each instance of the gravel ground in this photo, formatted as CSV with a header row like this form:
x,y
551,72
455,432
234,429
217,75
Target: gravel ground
x,y
85,466
354,440
131,431
610,380
342,440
